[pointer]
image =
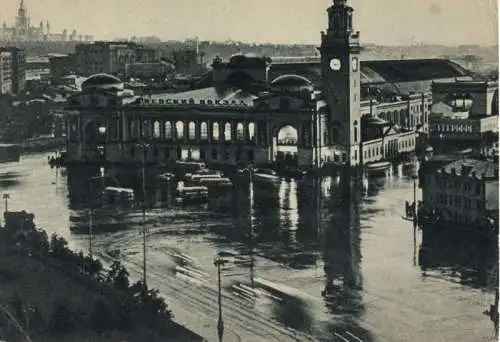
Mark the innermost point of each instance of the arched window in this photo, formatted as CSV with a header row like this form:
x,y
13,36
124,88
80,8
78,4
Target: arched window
x,y
227,131
168,130
204,131
179,129
215,131
240,134
156,130
251,131
133,129
192,131
146,129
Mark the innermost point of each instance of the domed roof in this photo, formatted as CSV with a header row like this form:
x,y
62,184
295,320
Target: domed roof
x,y
291,80
101,80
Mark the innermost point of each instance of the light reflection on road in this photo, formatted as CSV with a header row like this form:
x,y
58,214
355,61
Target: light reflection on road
x,y
377,292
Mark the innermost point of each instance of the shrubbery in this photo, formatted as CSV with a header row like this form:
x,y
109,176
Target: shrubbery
x,y
124,306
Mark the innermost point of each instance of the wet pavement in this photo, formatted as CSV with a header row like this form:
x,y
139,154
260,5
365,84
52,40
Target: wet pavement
x,y
326,264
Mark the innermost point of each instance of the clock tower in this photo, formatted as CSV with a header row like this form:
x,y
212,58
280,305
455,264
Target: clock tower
x,y
340,70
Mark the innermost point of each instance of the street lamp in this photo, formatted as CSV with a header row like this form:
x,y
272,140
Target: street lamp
x,y
218,262
252,259
102,130
6,197
144,147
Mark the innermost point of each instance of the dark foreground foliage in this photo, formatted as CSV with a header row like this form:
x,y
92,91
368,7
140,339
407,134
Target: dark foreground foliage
x,y
114,303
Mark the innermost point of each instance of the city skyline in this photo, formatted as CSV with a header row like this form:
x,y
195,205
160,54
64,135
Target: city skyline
x,y
386,22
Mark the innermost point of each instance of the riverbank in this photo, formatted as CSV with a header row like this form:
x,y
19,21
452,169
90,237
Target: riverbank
x,y
50,293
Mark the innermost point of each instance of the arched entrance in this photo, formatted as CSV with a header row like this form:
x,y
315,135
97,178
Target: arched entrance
x,y
286,142
95,140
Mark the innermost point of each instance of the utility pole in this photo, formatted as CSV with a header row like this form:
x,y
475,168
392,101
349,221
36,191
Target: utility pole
x,y
6,197
252,259
144,277
220,323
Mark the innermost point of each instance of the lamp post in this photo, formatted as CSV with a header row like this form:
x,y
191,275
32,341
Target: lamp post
x,y
218,262
415,205
252,259
144,147
6,197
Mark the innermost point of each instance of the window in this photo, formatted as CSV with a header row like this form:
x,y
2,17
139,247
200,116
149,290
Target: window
x,y
132,152
251,132
215,131
167,153
155,151
355,131
179,130
202,154
204,131
478,189
192,131
240,134
156,130
214,154
146,129
355,155
168,130
227,132
250,156
133,129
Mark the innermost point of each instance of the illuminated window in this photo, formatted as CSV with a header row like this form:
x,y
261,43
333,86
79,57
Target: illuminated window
x,y
215,131
168,130
240,134
251,131
227,131
204,131
156,130
192,131
179,129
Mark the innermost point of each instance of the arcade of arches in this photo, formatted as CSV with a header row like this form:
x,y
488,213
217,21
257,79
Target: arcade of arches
x,y
225,140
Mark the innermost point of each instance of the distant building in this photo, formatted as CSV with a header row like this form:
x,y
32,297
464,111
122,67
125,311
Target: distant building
x,y
23,30
110,57
60,66
148,70
38,68
186,61
463,191
464,114
18,68
5,72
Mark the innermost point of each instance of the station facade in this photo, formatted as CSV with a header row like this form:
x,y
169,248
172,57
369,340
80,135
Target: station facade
x,y
304,113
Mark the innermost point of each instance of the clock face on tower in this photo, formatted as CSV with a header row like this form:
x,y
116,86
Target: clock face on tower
x,y
335,64
354,64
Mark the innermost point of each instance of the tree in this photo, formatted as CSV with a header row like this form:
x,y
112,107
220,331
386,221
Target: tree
x,y
118,276
102,318
62,320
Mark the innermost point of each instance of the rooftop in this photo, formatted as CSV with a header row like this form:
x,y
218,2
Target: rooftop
x,y
469,167
210,96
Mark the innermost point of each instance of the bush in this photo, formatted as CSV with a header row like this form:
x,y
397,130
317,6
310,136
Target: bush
x,y
102,317
118,276
62,320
